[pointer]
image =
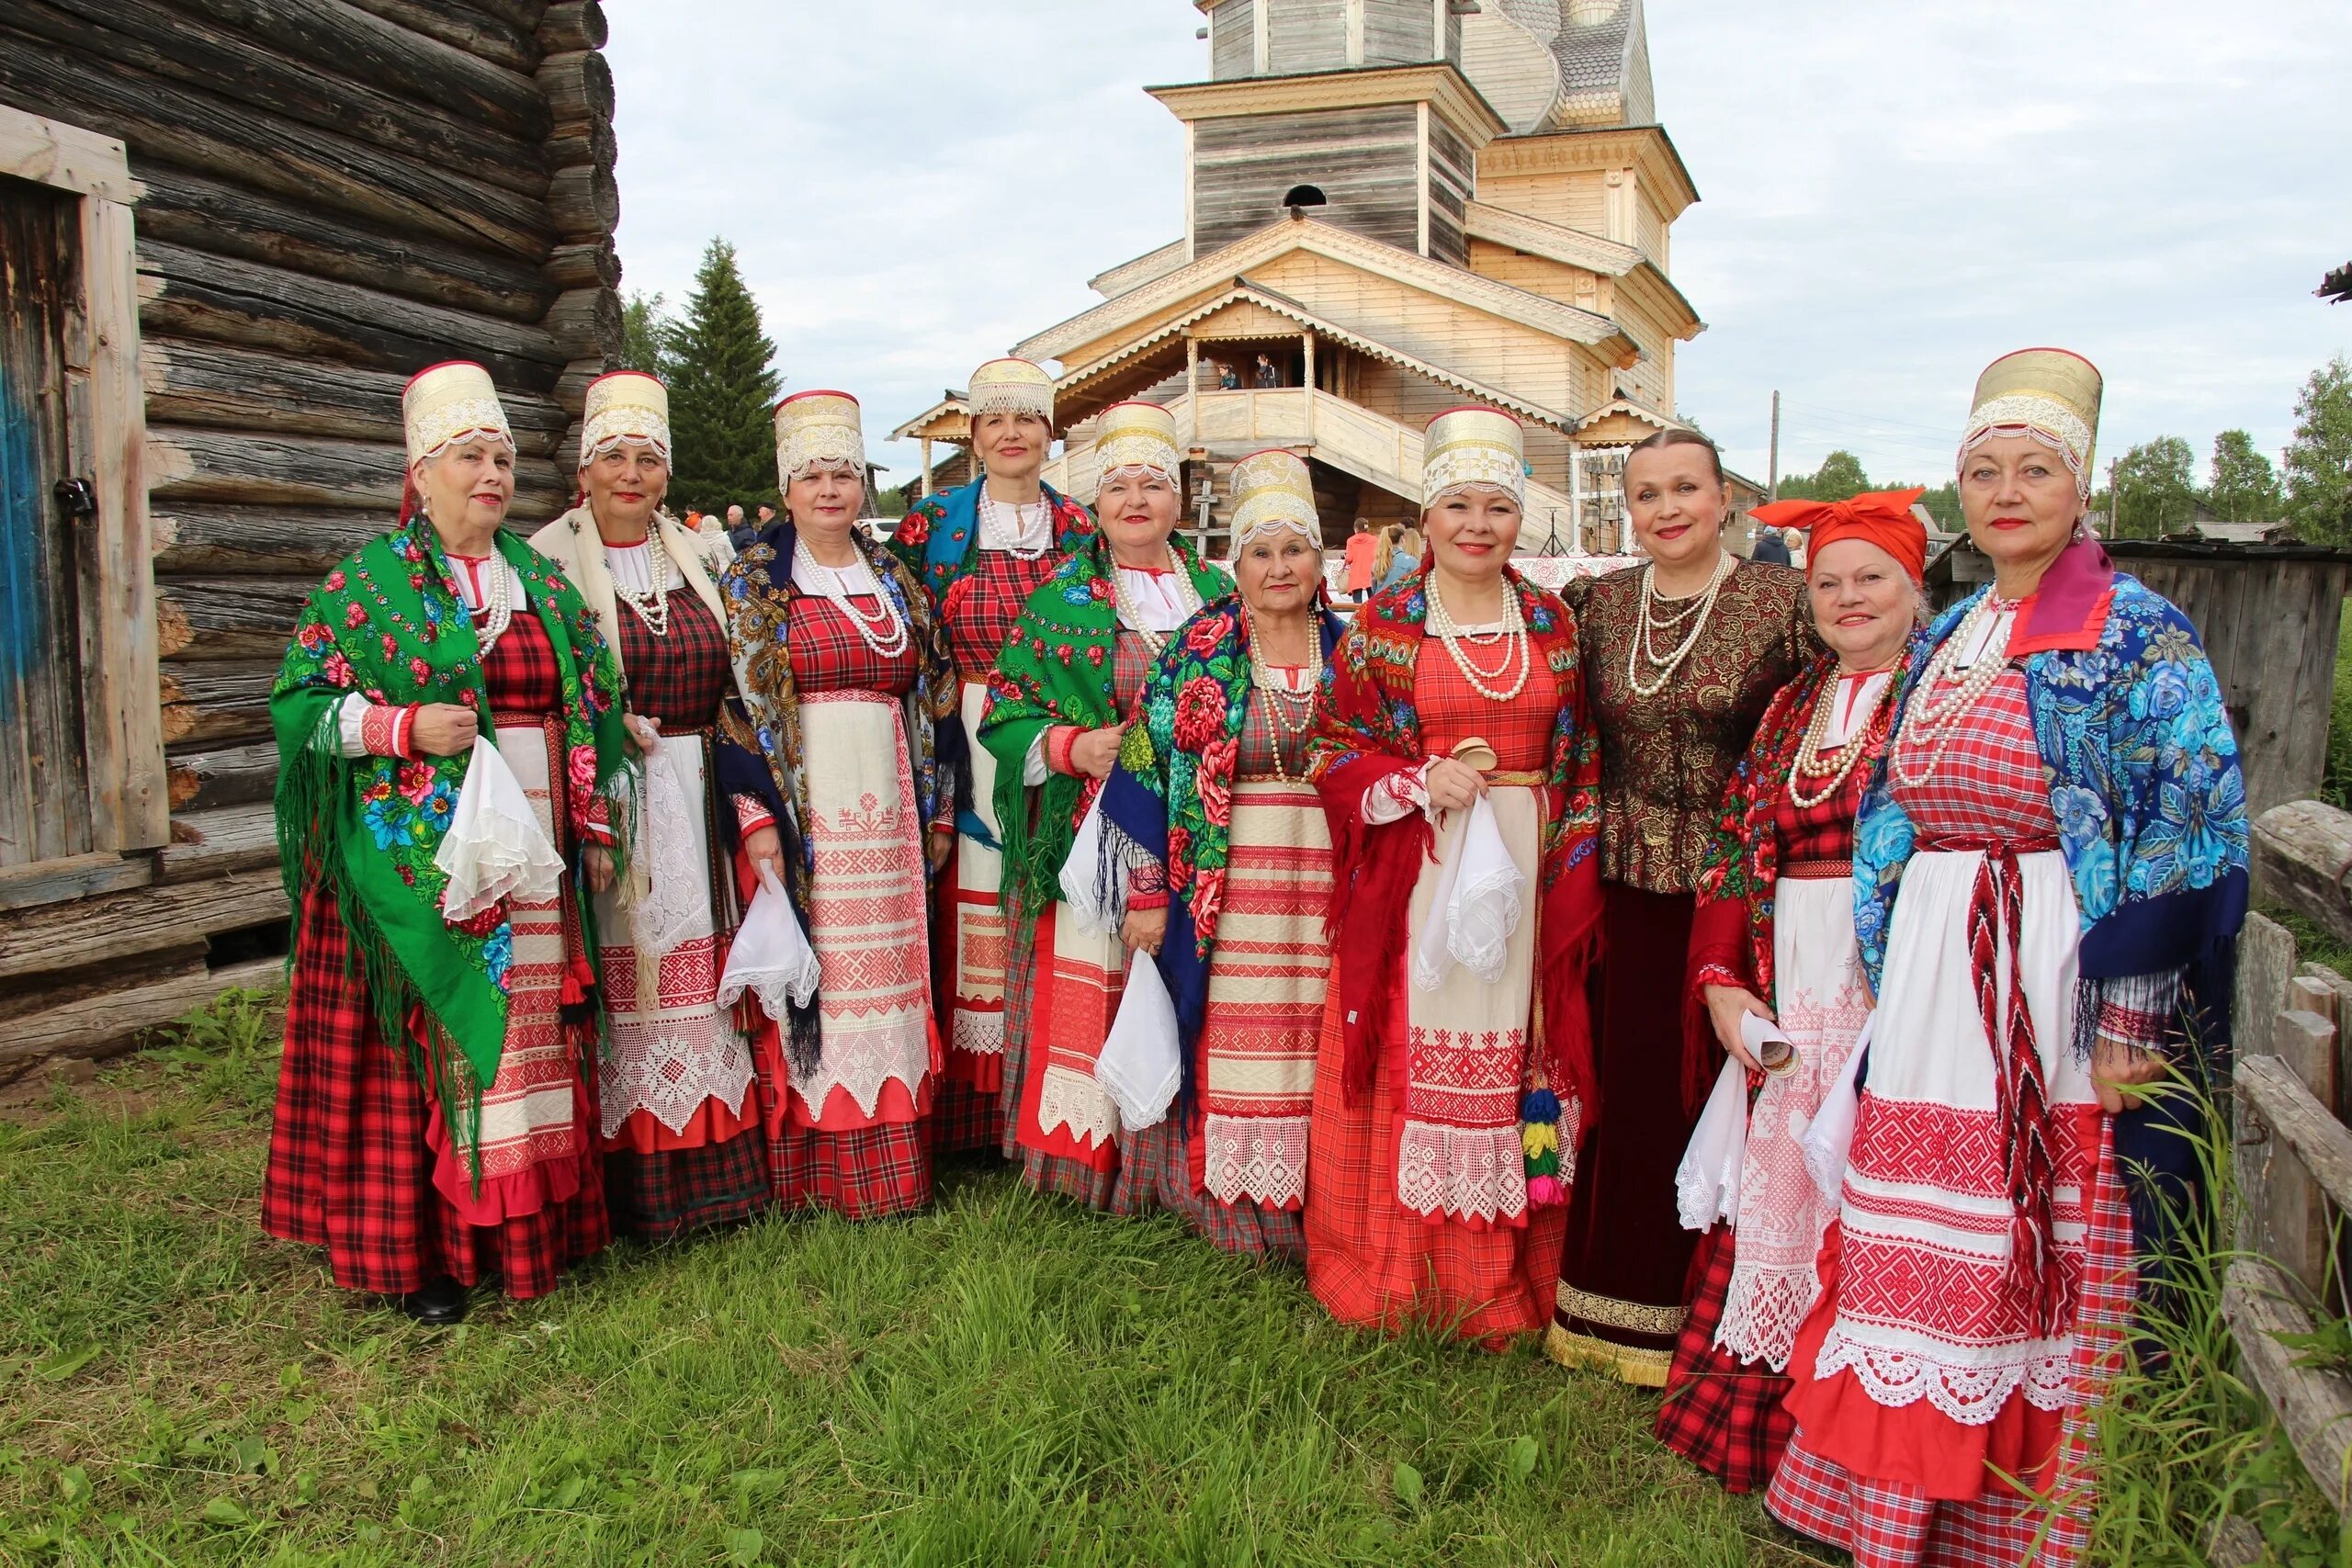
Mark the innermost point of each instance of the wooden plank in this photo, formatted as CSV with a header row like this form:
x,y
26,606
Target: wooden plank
x,y
109,1024
184,207
196,294
2270,1090
2265,962
229,617
217,704
234,775
60,939
64,157
76,876
205,130
261,393
223,538
294,470
2235,1544
2305,1042
2314,1405
2303,853
175,42
213,843
498,39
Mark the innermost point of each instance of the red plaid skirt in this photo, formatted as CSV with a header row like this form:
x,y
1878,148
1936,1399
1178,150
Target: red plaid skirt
x,y
1028,976
660,1196
1725,1417
1156,1172
963,1117
349,1168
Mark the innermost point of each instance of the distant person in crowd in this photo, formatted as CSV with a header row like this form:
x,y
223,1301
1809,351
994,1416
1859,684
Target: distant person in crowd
x,y
1269,376
679,1120
767,515
1228,379
1362,547
1399,557
1770,547
739,533
1793,540
436,1107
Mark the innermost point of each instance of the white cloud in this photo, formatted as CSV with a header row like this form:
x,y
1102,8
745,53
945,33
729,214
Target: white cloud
x,y
1892,195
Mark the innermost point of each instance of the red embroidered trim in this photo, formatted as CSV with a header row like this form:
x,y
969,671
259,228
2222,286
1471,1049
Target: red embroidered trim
x,y
750,816
1060,741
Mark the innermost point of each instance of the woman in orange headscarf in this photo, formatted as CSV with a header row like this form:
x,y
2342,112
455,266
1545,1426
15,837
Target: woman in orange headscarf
x,y
1775,919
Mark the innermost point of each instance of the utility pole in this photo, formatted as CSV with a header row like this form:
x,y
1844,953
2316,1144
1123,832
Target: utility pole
x,y
1773,481
2114,504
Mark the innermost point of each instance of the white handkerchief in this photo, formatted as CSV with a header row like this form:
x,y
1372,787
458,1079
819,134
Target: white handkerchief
x,y
1083,875
1476,908
771,958
675,905
1706,1184
1141,1065
494,848
1829,1141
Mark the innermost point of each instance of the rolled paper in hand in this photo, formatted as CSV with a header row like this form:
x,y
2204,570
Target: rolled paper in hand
x,y
1769,1045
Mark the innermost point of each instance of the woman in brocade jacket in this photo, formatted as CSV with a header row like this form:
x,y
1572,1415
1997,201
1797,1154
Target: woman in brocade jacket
x,y
679,1120
980,550
1212,805
842,760
1065,683
437,1110
1681,655
2049,875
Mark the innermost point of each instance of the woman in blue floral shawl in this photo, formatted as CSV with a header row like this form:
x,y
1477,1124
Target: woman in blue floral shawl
x,y
1210,803
2049,874
437,1117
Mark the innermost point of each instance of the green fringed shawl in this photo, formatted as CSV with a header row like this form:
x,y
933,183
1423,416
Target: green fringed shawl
x,y
1056,669
388,624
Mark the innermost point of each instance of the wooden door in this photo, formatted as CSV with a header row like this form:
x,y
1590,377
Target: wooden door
x,y
44,780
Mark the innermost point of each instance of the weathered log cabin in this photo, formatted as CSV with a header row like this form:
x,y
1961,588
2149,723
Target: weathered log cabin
x,y
230,229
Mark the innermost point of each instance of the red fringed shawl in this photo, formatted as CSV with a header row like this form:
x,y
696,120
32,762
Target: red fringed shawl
x,y
1367,730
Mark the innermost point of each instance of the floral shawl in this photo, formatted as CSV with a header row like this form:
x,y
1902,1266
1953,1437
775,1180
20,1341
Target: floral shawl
x,y
759,748
2143,782
1367,729
1170,799
1056,669
388,624
939,538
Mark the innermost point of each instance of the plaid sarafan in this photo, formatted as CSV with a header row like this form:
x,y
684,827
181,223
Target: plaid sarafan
x,y
1725,1417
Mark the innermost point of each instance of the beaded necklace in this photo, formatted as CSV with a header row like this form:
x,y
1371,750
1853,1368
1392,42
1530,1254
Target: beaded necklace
x,y
885,632
1288,713
990,507
1129,616
1811,764
1697,610
1440,625
1947,696
653,606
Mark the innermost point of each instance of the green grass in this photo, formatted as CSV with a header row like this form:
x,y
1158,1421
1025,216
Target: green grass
x,y
1002,1380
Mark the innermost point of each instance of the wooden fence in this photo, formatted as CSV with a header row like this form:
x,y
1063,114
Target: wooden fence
x,y
2293,1026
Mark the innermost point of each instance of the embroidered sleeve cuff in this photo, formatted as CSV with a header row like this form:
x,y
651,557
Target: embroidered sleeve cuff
x,y
1140,900
2137,1010
375,729
1060,741
750,814
1397,797
1716,974
596,821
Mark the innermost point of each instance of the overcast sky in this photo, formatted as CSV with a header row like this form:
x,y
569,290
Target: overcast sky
x,y
915,184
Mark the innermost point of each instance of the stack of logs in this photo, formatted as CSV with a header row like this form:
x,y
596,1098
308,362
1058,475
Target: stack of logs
x,y
336,194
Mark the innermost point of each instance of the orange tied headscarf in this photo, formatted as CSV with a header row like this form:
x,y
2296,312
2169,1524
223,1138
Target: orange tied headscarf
x,y
1883,517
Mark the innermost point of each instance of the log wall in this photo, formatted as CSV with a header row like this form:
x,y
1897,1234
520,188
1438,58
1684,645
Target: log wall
x,y
337,193
1365,161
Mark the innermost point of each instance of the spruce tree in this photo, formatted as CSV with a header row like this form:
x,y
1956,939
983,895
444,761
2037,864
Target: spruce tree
x,y
721,392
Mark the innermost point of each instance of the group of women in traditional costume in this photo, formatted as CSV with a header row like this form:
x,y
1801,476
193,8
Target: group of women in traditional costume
x,y
1714,972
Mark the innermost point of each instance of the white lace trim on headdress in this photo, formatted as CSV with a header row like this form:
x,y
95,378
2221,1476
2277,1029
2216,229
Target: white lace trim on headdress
x,y
436,429
1013,398
2047,419
622,426
1461,464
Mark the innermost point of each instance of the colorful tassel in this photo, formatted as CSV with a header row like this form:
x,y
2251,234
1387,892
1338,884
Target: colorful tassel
x,y
1545,1191
1538,1137
1538,1105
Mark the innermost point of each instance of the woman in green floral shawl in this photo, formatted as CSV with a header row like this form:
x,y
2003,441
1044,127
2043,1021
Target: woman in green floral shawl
x,y
1071,669
448,722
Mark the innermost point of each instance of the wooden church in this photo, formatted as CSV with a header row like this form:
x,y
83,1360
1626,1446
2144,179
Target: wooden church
x,y
1394,207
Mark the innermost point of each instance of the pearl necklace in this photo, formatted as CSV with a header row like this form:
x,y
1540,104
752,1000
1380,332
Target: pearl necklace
x,y
1812,764
885,631
653,606
1440,625
1130,617
497,610
1946,696
1288,713
991,506
1697,611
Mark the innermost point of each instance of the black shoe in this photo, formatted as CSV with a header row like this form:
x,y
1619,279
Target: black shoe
x,y
439,1304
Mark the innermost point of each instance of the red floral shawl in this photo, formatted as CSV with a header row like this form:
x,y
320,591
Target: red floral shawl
x,y
1367,729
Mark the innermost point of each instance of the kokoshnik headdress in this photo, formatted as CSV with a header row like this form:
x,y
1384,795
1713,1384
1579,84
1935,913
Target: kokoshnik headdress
x,y
625,408
816,430
1473,446
1273,492
2050,394
1011,386
1137,438
446,404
